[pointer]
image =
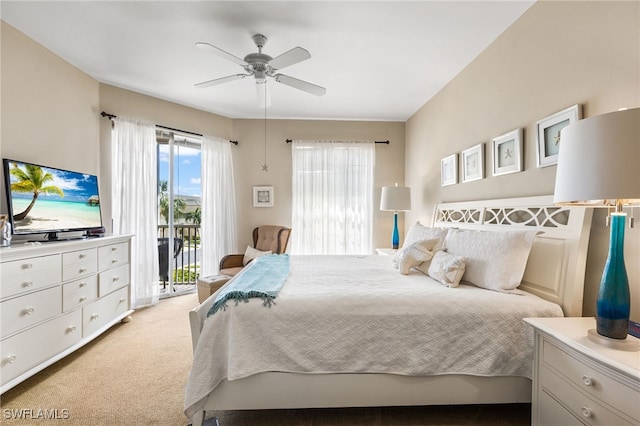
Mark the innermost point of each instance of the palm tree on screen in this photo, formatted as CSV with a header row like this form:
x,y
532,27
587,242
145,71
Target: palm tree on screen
x,y
32,180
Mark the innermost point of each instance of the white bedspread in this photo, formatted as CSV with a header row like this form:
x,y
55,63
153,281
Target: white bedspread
x,y
358,314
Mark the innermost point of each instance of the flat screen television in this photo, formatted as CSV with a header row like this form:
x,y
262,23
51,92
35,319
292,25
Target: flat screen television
x,y
50,201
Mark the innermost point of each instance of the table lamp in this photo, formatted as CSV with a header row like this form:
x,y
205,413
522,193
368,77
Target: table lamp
x,y
395,198
599,166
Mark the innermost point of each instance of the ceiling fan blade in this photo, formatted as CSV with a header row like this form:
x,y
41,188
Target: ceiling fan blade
x,y
300,84
221,80
223,54
293,56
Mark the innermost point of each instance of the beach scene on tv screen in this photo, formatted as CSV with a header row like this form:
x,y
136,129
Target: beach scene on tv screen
x,y
45,199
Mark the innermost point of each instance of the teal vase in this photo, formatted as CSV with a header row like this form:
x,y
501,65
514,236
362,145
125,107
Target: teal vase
x,y
395,238
614,301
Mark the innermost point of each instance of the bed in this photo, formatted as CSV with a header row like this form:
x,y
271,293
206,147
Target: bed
x,y
281,371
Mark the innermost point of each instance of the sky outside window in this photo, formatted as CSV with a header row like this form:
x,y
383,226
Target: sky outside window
x,y
186,169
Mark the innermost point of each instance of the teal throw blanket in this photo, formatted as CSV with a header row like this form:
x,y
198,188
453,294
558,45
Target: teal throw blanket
x,y
262,278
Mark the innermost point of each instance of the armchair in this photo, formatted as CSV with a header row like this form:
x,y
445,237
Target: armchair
x,y
265,238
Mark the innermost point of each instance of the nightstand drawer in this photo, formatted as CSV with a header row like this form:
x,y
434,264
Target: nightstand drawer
x,y
552,413
581,405
592,381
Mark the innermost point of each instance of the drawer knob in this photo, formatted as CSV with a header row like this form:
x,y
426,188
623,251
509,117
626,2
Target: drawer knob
x,y
588,381
82,299
122,300
116,279
82,255
114,248
27,284
94,317
27,265
10,359
586,412
71,329
29,310
81,270
82,284
114,261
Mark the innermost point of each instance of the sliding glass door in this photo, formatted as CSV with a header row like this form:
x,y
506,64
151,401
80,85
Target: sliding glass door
x,y
179,211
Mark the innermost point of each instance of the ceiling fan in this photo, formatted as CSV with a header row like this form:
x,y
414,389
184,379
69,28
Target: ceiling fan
x,y
261,66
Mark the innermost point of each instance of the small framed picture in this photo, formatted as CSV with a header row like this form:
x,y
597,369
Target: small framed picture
x,y
549,129
507,153
449,170
473,163
263,196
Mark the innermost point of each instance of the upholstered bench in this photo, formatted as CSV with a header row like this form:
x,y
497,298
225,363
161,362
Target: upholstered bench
x,y
209,285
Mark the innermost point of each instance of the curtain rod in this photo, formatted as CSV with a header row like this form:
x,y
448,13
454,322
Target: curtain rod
x,y
384,142
112,116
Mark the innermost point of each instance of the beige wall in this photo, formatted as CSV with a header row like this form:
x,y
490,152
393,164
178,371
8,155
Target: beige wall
x,y
249,156
556,55
49,109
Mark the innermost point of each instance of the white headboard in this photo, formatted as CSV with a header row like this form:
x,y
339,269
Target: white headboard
x,y
556,266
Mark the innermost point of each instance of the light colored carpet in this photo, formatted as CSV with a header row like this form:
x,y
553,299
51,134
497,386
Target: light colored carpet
x,y
135,374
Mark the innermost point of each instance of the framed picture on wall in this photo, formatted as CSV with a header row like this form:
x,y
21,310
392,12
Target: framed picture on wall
x,y
548,130
473,163
507,153
449,170
263,196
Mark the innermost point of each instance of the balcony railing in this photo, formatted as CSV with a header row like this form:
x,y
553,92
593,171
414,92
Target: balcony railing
x,y
184,261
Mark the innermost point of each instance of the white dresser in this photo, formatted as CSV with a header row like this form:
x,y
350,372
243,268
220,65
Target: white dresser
x,y
57,296
580,382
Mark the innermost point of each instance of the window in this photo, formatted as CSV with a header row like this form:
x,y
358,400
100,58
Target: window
x,y
332,202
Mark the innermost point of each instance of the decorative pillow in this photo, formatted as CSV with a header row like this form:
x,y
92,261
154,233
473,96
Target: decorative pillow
x,y
495,260
416,254
419,232
447,268
251,254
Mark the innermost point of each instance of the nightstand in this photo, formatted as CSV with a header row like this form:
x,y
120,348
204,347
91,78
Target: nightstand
x,y
579,382
386,251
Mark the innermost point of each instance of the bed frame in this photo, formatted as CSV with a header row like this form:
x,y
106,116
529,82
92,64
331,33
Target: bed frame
x,y
555,272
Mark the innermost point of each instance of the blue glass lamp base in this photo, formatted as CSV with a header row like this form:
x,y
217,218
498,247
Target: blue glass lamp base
x,y
614,300
395,239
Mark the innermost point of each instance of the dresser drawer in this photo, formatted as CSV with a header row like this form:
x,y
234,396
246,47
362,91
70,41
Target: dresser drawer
x,y
592,381
34,346
582,405
76,264
30,309
79,292
113,255
113,279
19,276
97,314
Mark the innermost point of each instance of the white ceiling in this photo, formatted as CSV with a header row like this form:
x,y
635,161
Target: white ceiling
x,y
379,60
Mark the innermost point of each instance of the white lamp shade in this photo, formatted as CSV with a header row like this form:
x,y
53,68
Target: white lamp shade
x,y
395,198
599,160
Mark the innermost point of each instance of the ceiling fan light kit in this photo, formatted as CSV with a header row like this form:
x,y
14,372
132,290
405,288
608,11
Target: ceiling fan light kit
x,y
260,66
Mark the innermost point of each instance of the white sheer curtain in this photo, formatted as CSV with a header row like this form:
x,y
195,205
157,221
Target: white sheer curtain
x,y
218,204
134,202
332,185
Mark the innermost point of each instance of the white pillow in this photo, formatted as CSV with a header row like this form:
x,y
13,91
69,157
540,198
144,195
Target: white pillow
x,y
416,254
494,260
419,232
251,254
447,268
